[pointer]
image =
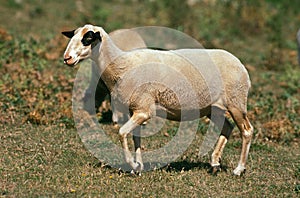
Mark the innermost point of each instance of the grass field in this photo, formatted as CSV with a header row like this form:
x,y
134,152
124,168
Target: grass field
x,y
41,154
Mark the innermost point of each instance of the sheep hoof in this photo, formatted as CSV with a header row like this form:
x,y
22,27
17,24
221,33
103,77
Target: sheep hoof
x,y
214,170
239,171
137,169
135,173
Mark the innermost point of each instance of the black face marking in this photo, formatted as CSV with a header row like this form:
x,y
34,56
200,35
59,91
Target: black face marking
x,y
69,34
98,36
90,37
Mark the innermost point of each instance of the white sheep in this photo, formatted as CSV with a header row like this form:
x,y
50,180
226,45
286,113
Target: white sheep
x,y
219,83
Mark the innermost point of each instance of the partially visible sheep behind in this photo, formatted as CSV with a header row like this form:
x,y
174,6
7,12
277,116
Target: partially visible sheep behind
x,y
126,40
298,41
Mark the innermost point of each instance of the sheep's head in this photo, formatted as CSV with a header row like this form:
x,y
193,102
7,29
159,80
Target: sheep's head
x,y
83,40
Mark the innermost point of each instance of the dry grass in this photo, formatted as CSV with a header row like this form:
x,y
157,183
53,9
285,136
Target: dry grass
x,y
51,161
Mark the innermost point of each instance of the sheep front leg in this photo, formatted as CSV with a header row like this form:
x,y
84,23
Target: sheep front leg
x,y
135,121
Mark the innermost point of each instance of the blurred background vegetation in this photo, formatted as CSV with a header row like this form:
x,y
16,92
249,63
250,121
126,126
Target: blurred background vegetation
x,y
41,153
36,87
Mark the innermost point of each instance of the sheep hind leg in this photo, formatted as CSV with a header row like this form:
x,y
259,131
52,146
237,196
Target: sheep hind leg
x,y
226,128
137,147
135,121
246,131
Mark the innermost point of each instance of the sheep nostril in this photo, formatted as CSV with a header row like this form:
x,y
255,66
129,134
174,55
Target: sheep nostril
x,y
67,58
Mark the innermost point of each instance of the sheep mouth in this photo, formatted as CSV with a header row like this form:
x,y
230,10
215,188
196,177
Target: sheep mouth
x,y
71,63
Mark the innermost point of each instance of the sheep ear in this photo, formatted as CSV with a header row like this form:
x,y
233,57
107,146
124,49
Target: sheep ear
x,y
69,34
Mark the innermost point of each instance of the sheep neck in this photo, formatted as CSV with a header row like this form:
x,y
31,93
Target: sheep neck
x,y
104,54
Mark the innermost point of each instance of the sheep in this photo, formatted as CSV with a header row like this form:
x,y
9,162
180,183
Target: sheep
x,y
126,40
222,86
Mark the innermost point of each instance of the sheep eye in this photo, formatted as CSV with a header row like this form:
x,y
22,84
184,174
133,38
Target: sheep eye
x,y
88,38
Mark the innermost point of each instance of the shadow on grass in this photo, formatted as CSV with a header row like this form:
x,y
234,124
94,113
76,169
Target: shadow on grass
x,y
172,167
187,165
